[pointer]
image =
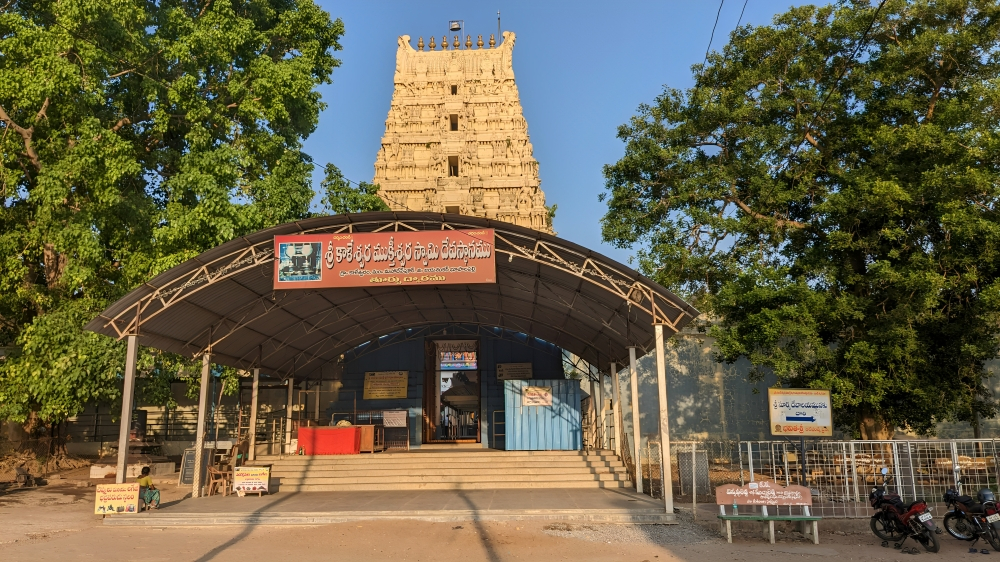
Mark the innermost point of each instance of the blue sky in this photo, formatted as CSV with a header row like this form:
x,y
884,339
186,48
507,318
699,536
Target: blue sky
x,y
582,69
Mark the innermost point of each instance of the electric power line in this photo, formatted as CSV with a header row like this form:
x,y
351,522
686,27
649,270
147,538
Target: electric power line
x,y
712,36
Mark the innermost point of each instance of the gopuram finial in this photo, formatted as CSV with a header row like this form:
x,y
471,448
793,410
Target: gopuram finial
x,y
493,42
456,43
479,44
444,42
432,45
420,44
468,41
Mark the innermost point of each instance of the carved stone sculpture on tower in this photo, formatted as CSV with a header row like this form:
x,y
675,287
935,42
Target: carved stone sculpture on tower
x,y
456,140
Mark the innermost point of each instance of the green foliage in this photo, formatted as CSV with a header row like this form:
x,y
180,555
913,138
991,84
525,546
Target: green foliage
x,y
340,198
841,233
133,136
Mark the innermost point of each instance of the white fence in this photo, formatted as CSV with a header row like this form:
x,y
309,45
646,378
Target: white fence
x,y
840,474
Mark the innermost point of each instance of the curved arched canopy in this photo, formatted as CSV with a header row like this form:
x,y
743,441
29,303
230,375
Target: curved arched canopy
x,y
223,301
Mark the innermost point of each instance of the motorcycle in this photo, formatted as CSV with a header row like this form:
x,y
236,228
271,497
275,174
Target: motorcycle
x,y
896,522
970,520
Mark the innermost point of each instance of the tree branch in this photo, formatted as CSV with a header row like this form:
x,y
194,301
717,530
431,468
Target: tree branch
x,y
122,73
26,133
732,198
121,123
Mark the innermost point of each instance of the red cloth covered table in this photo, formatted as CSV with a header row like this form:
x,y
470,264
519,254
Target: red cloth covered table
x,y
330,440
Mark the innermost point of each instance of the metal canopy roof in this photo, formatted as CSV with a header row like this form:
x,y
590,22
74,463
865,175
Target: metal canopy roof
x,y
549,288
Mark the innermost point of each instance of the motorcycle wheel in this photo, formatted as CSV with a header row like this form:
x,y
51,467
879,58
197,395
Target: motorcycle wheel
x,y
885,530
958,526
992,537
927,539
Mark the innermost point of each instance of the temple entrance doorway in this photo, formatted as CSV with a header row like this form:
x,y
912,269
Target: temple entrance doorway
x,y
452,392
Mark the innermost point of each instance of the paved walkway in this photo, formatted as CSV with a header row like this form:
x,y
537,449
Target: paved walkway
x,y
290,508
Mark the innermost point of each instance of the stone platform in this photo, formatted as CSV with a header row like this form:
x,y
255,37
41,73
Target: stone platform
x,y
609,505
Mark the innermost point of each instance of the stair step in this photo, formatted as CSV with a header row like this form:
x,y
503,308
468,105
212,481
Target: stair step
x,y
451,465
448,486
453,479
424,459
442,472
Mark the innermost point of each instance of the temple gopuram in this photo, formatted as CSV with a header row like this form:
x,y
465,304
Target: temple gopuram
x,y
456,140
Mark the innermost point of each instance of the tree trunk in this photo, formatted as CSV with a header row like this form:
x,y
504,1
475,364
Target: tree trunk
x,y
873,427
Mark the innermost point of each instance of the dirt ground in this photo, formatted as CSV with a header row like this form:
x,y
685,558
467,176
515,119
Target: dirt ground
x,y
56,522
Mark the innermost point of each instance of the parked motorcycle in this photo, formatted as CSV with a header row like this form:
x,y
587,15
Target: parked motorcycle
x,y
970,520
896,522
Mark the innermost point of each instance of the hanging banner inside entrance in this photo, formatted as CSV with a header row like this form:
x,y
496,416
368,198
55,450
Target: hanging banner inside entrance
x,y
377,259
383,385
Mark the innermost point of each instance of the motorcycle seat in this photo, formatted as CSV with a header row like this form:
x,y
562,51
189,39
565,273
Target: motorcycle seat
x,y
971,505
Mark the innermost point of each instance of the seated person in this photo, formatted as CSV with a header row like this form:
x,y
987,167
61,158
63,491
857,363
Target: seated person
x,y
147,491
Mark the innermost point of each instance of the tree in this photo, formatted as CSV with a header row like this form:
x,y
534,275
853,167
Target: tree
x,y
340,198
828,192
133,136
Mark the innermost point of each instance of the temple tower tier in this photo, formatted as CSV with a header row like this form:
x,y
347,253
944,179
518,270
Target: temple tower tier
x,y
456,140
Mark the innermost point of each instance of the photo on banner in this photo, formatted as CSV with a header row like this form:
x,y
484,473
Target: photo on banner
x,y
384,259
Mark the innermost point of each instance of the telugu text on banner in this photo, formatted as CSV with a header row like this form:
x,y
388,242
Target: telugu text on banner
x,y
251,479
116,498
378,259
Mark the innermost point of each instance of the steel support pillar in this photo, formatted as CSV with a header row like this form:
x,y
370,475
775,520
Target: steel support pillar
x,y
199,436
636,424
252,434
661,386
602,427
131,357
593,414
288,417
616,408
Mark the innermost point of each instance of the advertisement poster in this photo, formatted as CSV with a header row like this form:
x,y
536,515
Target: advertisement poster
x,y
536,396
116,498
375,259
251,478
383,385
800,411
514,371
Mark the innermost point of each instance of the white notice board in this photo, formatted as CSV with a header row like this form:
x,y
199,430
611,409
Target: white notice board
x,y
800,411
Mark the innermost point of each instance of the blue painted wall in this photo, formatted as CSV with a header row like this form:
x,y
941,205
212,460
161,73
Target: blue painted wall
x,y
544,428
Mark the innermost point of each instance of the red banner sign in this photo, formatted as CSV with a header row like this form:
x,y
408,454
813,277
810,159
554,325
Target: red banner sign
x,y
374,259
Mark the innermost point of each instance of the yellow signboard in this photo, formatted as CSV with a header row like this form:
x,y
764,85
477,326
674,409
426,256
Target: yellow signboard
x,y
384,385
116,498
251,478
536,396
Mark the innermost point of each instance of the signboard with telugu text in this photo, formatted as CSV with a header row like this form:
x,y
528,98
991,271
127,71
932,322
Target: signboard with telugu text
x,y
116,498
536,396
514,371
800,411
382,259
384,385
251,478
762,493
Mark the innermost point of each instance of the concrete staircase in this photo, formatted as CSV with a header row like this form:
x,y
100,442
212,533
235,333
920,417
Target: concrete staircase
x,y
443,469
